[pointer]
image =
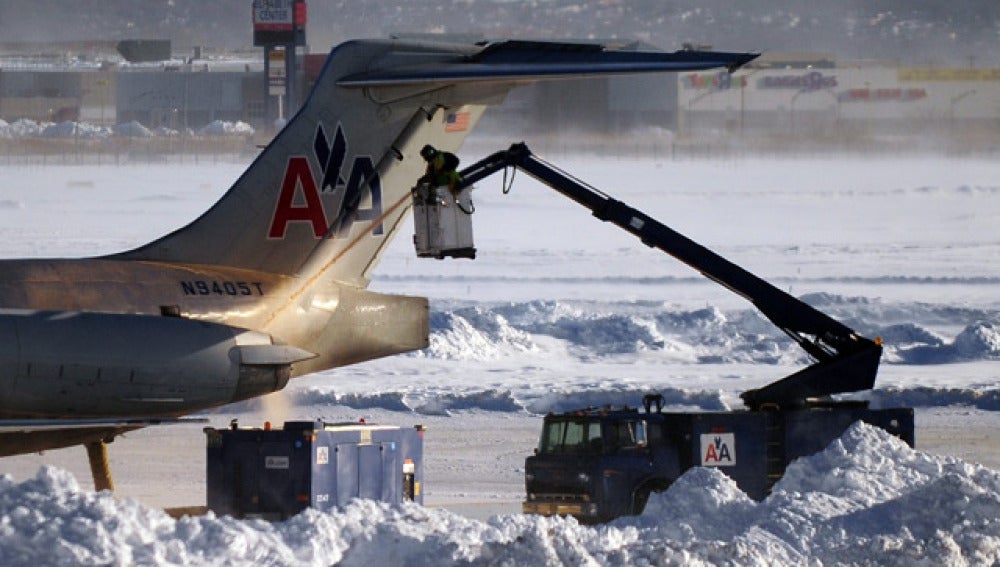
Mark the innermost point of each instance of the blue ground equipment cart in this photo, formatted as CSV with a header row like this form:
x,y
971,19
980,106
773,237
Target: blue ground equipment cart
x,y
276,473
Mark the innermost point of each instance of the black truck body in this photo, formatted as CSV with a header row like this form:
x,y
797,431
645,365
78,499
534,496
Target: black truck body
x,y
583,468
601,463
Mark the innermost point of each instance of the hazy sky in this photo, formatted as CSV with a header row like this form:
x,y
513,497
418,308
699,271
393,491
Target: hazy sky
x,y
930,31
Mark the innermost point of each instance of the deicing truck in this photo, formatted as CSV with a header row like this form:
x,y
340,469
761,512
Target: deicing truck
x,y
600,463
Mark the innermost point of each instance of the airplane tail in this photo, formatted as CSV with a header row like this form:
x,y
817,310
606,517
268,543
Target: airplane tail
x,y
333,185
324,198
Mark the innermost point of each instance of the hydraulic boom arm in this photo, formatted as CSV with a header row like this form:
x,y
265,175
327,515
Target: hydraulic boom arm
x,y
845,361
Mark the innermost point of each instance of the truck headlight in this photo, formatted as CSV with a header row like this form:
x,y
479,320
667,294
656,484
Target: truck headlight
x,y
528,477
583,477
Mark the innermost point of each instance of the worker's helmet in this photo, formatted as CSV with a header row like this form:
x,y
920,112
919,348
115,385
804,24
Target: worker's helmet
x,y
428,152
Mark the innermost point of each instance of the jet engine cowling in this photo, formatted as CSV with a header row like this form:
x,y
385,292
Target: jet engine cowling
x,y
75,364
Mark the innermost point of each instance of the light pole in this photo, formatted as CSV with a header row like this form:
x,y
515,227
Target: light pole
x,y
951,106
744,81
829,91
791,108
691,102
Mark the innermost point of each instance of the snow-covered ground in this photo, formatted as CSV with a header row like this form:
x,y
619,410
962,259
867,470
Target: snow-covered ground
x,y
560,311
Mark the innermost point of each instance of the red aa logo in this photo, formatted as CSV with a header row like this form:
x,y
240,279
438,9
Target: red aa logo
x,y
299,199
718,449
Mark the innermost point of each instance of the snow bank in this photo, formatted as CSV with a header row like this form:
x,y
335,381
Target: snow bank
x,y
925,396
484,332
25,128
866,499
224,128
546,356
979,341
474,333
562,401
132,129
74,130
701,336
443,400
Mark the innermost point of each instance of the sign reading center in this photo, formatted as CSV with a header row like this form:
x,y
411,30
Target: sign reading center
x,y
279,22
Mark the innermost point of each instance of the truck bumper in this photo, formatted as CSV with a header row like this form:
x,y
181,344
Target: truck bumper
x,y
583,510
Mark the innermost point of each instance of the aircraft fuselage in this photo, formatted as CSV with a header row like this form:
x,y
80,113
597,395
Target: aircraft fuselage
x,y
96,337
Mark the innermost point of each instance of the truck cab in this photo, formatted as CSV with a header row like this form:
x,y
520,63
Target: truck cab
x,y
598,464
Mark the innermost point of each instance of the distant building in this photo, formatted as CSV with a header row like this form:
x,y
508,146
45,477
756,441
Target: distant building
x,y
781,93
798,94
183,98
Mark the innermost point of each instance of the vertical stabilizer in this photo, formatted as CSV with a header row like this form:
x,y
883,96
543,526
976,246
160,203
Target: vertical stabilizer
x,y
329,191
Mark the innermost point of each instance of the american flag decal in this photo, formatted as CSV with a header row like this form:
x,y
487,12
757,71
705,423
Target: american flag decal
x,y
457,122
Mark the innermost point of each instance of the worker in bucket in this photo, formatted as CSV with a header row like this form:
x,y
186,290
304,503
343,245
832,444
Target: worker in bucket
x,y
441,168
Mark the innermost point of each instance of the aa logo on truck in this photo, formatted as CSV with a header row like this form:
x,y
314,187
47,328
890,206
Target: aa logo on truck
x,y
718,450
300,199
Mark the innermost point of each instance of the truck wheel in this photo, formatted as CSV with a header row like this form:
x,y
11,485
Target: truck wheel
x,y
639,501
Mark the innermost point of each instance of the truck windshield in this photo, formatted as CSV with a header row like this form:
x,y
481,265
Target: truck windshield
x,y
626,435
571,436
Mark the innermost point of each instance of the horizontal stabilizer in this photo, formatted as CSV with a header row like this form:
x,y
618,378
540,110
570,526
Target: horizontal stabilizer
x,y
534,60
270,355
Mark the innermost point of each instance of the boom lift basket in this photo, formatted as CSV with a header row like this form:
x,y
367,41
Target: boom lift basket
x,y
442,222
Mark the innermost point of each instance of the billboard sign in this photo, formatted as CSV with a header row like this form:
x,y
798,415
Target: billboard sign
x,y
276,73
279,22
272,15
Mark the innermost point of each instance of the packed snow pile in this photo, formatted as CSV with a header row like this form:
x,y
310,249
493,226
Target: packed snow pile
x,y
132,129
474,333
223,128
431,400
981,340
77,130
699,336
867,499
428,401
22,128
25,128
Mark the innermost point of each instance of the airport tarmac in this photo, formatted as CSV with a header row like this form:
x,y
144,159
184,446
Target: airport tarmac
x,y
474,459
